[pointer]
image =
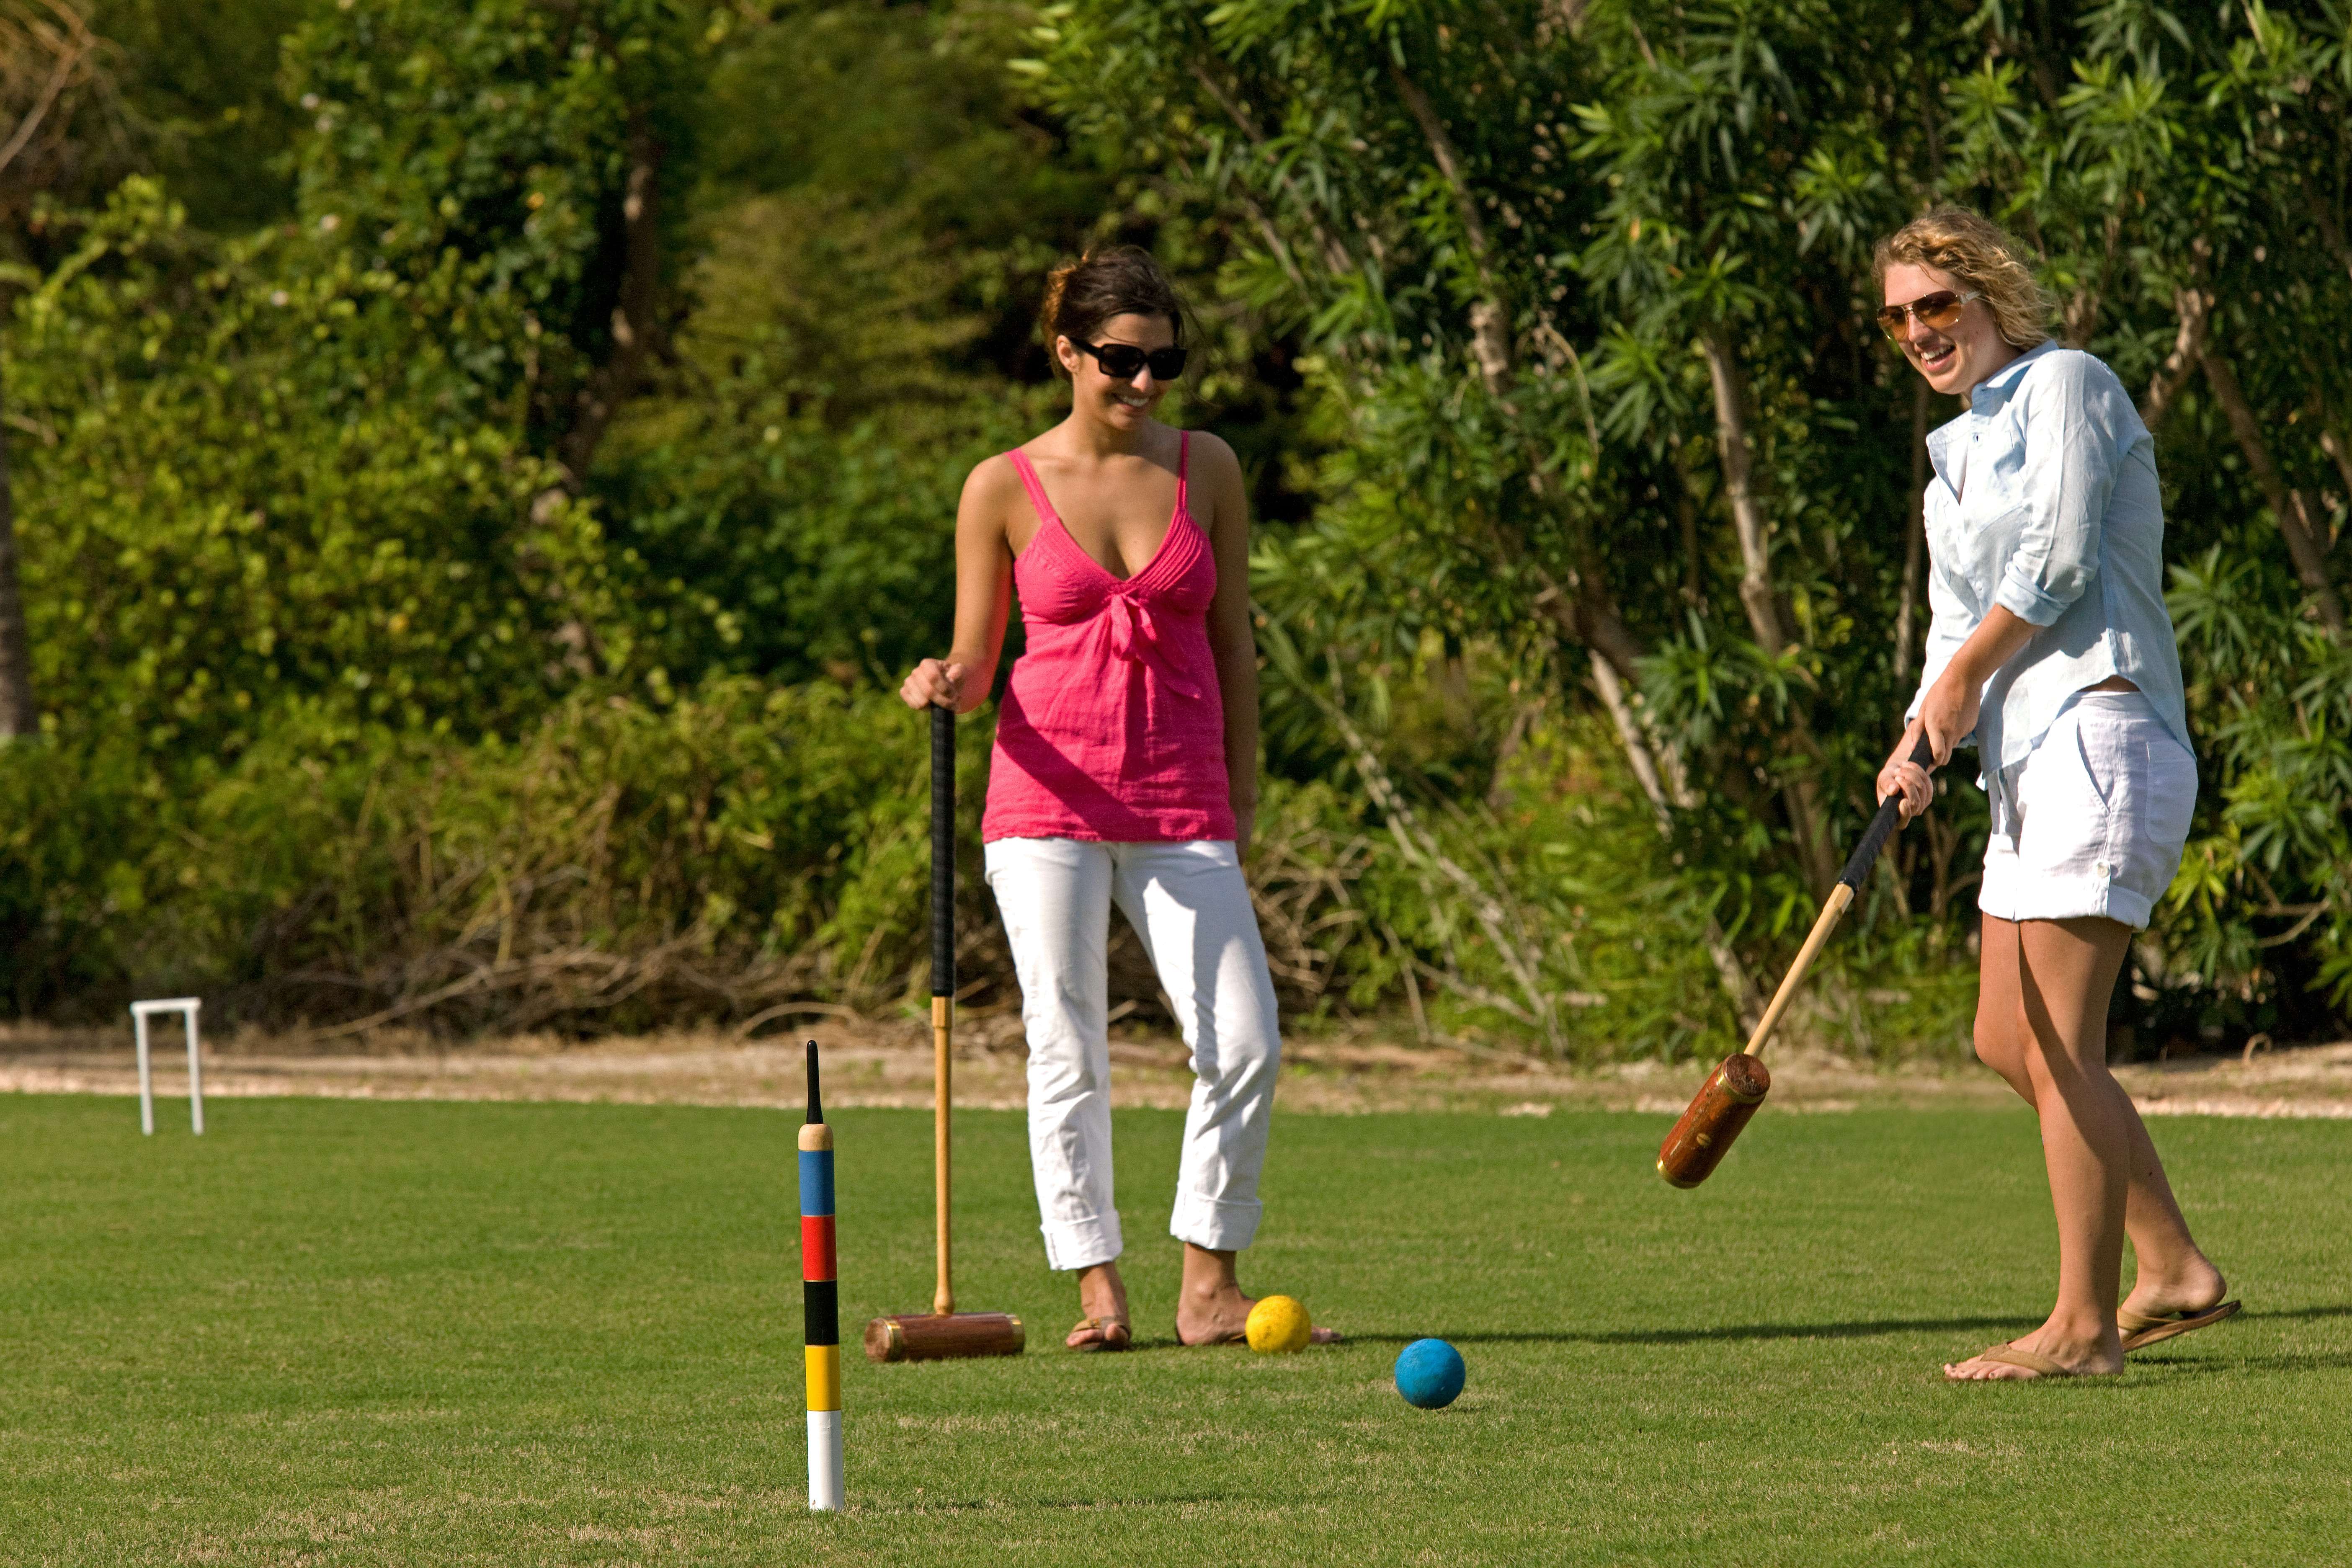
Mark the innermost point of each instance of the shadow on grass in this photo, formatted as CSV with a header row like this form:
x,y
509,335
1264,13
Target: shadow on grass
x,y
1698,1336
1868,1329
2208,1365
1072,1505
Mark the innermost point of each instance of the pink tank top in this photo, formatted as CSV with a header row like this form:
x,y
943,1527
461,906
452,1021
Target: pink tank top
x,y
1113,727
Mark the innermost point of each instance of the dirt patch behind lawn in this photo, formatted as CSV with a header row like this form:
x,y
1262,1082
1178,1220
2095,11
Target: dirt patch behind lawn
x,y
887,1062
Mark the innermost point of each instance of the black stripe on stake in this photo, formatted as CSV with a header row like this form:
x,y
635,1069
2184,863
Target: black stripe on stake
x,y
820,1311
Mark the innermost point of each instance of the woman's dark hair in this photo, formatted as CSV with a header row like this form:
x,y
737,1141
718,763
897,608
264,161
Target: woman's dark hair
x,y
1119,281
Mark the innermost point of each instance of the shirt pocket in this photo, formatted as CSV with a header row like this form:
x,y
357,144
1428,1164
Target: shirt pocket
x,y
2000,458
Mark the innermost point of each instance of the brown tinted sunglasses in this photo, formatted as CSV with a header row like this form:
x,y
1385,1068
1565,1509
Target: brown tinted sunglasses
x,y
1938,312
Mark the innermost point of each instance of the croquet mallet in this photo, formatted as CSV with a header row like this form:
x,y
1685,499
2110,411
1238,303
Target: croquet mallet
x,y
943,1332
1732,1093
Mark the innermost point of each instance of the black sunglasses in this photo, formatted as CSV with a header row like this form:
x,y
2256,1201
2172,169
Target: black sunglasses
x,y
1123,362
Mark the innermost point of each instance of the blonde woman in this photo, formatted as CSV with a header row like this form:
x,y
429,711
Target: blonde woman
x,y
2051,647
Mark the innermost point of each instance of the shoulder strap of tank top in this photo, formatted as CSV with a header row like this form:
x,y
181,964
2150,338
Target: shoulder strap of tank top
x,y
1036,487
1183,462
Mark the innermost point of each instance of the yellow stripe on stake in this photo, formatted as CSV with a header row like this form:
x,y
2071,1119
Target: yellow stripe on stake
x,y
823,1376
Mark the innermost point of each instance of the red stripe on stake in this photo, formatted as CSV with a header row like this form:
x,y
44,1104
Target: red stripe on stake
x,y
817,1246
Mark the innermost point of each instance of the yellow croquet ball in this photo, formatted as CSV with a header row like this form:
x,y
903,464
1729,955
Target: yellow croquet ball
x,y
1277,1324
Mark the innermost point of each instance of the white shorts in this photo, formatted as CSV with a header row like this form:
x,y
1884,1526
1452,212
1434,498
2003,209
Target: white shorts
x,y
2093,822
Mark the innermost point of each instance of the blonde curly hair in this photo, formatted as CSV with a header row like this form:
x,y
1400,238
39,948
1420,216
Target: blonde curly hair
x,y
1981,256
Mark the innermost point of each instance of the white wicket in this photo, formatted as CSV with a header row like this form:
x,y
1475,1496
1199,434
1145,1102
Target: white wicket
x,y
140,1012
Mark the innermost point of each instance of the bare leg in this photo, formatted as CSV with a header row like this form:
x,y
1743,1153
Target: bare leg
x,y
1212,1309
2064,971
2173,1274
1101,1294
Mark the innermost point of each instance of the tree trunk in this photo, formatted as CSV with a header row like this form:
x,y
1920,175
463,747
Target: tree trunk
x,y
1582,608
2340,451
19,718
2287,505
1728,970
2330,233
1802,794
1490,318
1914,538
635,315
2193,306
1337,258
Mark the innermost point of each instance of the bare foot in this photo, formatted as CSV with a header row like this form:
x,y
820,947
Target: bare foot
x,y
1212,1310
1102,1297
2082,1354
2190,1290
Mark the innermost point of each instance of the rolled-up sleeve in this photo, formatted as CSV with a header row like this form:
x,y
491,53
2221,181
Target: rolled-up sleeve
x,y
2072,455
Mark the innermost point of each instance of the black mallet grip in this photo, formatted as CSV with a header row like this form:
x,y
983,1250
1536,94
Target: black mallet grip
x,y
943,851
1881,827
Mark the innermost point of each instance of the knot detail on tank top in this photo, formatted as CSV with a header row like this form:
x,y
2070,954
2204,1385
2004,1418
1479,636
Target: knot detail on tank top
x,y
1135,636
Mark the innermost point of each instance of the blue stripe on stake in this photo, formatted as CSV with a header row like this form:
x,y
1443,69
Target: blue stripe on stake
x,y
816,1180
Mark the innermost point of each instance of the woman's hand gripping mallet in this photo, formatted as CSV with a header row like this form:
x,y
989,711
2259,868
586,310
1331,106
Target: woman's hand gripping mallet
x,y
1732,1092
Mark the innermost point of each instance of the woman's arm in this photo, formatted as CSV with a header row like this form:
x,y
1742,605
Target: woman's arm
x,y
1231,638
1947,713
984,596
2079,423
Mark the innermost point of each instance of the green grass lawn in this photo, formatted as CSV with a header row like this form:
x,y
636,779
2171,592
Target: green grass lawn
x,y
347,1333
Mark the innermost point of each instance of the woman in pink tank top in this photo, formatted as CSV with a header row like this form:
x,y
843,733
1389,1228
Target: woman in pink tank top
x,y
1124,773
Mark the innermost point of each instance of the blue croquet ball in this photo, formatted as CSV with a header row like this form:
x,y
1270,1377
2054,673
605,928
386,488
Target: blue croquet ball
x,y
1429,1374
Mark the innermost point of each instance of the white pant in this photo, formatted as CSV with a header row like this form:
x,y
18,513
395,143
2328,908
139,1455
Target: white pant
x,y
1191,908
2093,821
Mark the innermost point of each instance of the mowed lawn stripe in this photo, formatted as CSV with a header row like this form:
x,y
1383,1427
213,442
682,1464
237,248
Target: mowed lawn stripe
x,y
353,1332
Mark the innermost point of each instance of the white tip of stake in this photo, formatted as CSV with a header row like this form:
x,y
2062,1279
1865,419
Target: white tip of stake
x,y
825,1461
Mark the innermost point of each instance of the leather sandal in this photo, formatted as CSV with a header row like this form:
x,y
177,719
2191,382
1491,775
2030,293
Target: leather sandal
x,y
2140,1331
1238,1337
1317,1335
1116,1334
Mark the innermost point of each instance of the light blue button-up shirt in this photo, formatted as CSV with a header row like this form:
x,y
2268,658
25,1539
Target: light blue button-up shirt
x,y
2045,502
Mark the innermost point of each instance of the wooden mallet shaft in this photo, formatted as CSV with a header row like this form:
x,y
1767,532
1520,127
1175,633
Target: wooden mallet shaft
x,y
1731,1094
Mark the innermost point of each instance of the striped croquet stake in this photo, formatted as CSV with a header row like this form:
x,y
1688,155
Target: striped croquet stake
x,y
820,1302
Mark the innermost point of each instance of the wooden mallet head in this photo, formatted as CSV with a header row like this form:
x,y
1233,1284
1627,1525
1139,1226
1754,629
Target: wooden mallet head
x,y
1716,1113
932,1336
1728,1100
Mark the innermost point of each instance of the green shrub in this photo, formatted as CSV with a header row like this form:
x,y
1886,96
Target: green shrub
x,y
618,867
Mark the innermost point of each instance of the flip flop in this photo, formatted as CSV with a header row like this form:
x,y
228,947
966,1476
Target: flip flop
x,y
1238,1337
1116,1334
2140,1331
2034,1361
1320,1335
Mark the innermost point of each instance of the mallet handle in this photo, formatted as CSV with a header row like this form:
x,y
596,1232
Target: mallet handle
x,y
942,982
1881,827
1849,883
